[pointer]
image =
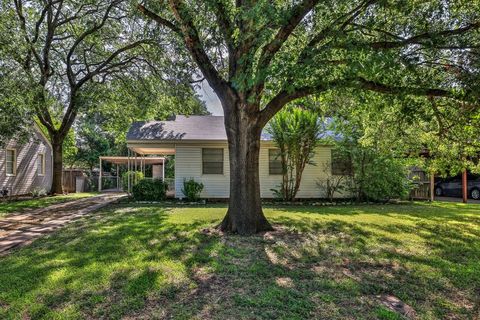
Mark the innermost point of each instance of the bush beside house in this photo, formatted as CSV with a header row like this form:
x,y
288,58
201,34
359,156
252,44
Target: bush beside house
x,y
192,189
150,190
135,177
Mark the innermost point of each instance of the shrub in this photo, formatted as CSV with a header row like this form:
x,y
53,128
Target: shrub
x,y
135,176
38,192
386,178
149,190
377,176
192,189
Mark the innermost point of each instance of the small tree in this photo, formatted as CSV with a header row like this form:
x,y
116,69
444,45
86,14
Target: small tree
x,y
296,132
333,183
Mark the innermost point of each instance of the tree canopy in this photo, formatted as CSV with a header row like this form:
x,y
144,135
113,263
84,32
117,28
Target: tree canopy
x,y
260,55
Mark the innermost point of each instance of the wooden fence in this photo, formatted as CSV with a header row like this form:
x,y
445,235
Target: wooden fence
x,y
422,184
69,179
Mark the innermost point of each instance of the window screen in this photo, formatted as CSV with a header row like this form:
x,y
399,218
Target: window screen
x,y
11,162
212,161
41,164
341,165
274,161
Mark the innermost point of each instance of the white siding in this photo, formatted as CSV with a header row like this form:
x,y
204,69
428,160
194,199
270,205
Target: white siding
x,y
27,178
188,164
311,174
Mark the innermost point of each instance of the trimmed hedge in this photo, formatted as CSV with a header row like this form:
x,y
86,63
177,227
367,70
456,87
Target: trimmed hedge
x,y
150,190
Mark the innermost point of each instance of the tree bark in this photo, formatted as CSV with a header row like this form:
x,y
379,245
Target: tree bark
x,y
245,215
57,183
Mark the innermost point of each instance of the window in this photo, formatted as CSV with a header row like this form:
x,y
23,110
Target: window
x,y
274,162
11,163
212,161
41,164
341,165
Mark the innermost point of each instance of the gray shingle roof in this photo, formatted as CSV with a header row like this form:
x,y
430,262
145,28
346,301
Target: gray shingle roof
x,y
182,128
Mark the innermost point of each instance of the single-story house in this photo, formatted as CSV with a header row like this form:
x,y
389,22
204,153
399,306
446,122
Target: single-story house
x,y
26,166
199,144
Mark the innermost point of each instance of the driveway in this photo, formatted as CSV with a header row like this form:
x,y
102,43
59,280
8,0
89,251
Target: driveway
x,y
18,230
454,199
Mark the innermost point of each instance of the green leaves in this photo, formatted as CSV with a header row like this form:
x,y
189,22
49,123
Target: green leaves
x,y
296,132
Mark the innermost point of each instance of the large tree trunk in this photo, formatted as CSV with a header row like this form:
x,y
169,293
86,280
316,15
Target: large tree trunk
x,y
57,184
244,215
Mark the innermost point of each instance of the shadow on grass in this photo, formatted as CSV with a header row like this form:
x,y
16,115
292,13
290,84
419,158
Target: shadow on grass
x,y
133,261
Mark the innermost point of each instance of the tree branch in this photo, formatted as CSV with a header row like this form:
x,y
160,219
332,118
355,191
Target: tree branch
x,y
105,65
159,20
285,96
227,29
82,37
344,19
417,39
226,25
297,15
197,51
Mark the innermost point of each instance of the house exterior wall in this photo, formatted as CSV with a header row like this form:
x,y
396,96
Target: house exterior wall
x,y
27,177
188,164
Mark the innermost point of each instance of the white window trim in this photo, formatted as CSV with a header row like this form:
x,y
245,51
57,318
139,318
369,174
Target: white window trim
x,y
43,171
14,162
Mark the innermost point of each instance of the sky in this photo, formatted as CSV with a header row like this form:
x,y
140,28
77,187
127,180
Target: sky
x,y
208,95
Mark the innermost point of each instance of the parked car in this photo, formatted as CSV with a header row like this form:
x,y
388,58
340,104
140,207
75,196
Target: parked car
x,y
452,187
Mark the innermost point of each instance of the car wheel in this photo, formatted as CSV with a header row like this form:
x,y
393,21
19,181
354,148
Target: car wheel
x,y
475,193
438,191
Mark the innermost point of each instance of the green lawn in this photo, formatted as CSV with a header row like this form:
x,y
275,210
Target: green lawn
x,y
152,262
21,205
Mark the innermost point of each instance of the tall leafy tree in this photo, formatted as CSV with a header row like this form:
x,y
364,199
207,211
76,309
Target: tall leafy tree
x,y
440,134
296,132
64,47
260,55
124,101
15,116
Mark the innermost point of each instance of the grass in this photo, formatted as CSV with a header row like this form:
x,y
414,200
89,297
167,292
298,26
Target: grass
x,y
151,262
22,205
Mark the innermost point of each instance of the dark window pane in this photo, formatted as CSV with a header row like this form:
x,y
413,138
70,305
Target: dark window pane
x,y
212,161
341,165
274,162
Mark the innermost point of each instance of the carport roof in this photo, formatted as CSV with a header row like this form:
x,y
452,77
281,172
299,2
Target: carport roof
x,y
125,160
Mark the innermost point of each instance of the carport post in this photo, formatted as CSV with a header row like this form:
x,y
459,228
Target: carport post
x,y
128,171
464,186
118,178
163,169
100,177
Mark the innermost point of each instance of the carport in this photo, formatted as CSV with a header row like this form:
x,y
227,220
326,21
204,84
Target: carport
x,y
130,163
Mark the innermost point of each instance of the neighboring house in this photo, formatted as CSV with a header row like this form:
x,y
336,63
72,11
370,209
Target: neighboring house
x,y
28,166
199,144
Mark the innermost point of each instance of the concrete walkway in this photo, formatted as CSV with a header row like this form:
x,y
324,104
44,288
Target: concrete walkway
x,y
17,230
